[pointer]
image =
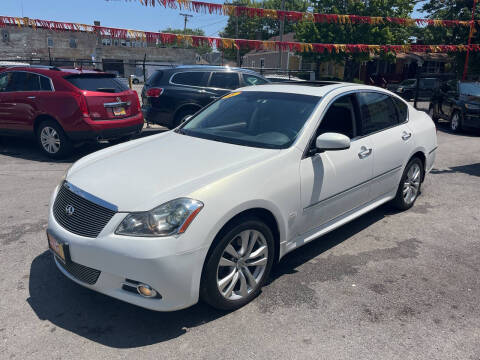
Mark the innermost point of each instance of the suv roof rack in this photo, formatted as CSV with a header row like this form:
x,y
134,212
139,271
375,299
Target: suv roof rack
x,y
46,67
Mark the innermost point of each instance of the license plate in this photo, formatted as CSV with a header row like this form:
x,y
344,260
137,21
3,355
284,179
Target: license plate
x,y
119,111
59,249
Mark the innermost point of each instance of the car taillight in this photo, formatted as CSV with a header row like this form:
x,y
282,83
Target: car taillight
x,y
154,92
82,104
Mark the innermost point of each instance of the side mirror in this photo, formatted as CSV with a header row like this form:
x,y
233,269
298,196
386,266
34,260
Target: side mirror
x,y
332,141
186,118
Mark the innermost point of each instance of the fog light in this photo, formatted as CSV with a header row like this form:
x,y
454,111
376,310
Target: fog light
x,y
146,291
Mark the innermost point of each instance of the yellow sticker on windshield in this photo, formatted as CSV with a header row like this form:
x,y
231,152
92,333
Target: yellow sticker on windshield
x,y
232,95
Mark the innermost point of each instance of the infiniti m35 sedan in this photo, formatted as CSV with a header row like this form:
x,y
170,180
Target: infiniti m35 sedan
x,y
205,210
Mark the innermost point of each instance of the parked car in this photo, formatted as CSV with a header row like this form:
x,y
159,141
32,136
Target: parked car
x,y
459,103
61,107
172,95
205,210
407,88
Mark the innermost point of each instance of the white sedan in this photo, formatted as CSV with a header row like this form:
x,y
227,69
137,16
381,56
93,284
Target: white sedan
x,y
205,210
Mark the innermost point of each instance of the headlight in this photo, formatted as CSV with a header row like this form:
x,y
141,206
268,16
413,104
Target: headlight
x,y
472,106
171,218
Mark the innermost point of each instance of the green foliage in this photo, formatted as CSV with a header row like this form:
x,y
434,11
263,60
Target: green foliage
x,y
381,34
452,10
198,32
259,28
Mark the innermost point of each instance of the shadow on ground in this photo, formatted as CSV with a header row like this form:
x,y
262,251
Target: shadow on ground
x,y
471,169
27,148
120,325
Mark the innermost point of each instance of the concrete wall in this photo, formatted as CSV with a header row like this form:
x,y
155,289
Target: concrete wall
x,y
29,44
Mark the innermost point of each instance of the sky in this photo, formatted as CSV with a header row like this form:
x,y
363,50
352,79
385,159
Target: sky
x,y
115,13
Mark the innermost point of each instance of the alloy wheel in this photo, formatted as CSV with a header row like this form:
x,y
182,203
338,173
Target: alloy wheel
x,y
454,124
50,140
411,184
242,265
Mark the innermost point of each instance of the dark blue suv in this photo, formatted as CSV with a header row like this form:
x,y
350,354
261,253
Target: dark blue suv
x,y
173,94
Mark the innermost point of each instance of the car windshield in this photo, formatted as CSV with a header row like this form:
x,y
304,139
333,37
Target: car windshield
x,y
408,82
253,118
472,88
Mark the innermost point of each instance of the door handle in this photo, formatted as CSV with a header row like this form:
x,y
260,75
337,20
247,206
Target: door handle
x,y
364,153
406,135
31,97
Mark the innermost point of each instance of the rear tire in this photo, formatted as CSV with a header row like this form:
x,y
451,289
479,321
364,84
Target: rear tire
x,y
229,281
135,81
432,114
456,122
52,140
410,184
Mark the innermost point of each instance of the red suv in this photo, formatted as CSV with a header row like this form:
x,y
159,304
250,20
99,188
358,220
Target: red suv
x,y
61,107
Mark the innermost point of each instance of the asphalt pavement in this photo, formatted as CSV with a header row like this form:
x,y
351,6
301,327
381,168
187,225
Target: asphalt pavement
x,y
388,285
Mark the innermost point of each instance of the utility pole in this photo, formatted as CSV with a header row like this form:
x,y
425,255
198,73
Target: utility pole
x,y
282,26
186,16
472,30
236,37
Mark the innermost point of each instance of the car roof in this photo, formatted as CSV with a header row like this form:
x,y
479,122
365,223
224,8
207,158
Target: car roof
x,y
211,68
318,88
51,70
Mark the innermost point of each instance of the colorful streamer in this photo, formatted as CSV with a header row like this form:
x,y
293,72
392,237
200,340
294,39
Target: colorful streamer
x,y
225,43
296,16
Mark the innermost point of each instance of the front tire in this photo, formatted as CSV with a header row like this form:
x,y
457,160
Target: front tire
x,y
52,140
239,264
410,184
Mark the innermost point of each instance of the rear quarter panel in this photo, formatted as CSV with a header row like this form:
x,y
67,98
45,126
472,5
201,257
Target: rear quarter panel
x,y
425,135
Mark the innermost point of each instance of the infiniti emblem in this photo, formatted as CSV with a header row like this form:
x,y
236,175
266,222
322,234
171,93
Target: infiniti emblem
x,y
69,210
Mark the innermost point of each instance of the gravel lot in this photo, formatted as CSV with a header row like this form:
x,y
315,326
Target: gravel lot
x,y
386,286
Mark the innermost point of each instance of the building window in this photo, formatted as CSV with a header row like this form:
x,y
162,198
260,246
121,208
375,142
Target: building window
x,y
116,42
262,62
49,42
106,42
73,43
5,36
253,63
124,43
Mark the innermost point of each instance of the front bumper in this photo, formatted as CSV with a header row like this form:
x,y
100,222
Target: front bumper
x,y
153,261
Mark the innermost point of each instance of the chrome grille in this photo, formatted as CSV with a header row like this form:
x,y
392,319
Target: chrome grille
x,y
80,272
87,219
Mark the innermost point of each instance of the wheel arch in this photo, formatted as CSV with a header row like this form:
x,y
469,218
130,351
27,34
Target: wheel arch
x,y
263,211
43,117
419,153
182,107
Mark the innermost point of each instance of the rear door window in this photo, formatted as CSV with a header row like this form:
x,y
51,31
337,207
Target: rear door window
x,y
191,78
402,110
224,80
100,83
45,84
378,112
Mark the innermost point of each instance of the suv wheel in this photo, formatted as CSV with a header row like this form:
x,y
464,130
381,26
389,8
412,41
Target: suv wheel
x,y
239,265
182,116
455,122
52,140
135,81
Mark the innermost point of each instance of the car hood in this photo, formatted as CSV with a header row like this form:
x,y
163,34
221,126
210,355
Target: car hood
x,y
141,174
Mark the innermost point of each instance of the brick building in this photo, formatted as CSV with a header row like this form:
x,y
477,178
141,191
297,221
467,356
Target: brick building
x,y
69,48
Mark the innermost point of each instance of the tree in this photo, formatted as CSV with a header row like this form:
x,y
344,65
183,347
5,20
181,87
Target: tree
x,y
259,28
386,33
198,32
452,10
